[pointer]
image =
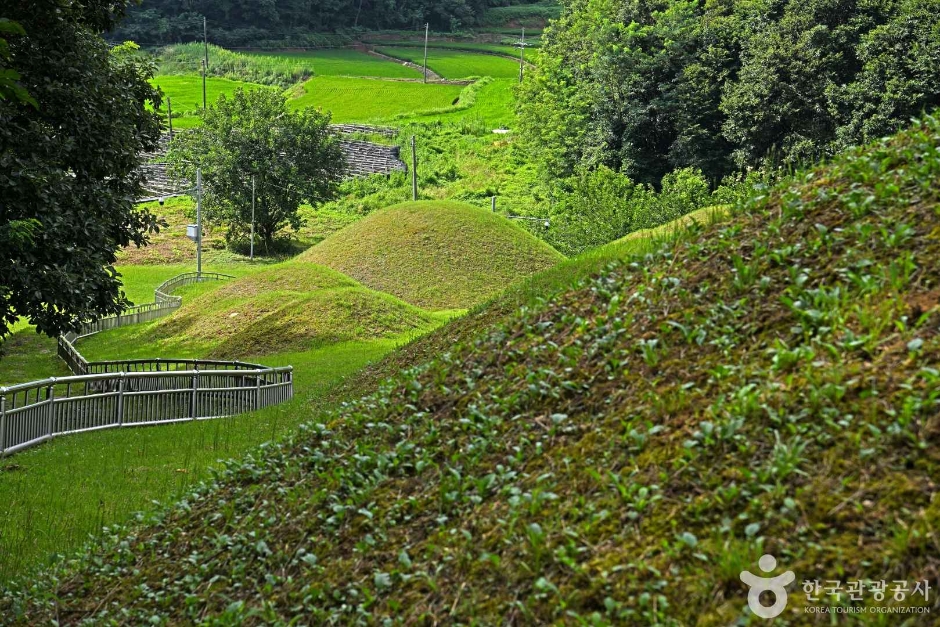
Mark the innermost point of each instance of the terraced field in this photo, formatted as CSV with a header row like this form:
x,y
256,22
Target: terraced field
x,y
364,99
456,64
186,95
340,63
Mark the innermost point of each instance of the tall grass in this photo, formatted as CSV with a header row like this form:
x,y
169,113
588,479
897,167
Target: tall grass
x,y
186,59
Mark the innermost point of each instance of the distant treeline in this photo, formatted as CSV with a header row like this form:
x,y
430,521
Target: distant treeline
x,y
312,22
646,87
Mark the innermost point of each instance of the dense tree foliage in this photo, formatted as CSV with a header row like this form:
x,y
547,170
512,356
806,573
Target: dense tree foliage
x,y
649,86
70,140
293,156
251,23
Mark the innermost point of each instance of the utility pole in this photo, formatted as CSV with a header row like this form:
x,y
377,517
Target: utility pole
x,y
252,254
205,40
169,115
204,84
522,55
427,28
414,170
199,221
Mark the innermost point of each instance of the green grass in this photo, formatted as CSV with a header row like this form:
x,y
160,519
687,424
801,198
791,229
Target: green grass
x,y
456,64
434,254
339,63
287,307
115,473
28,356
56,494
185,93
171,247
484,106
112,474
187,59
614,454
365,100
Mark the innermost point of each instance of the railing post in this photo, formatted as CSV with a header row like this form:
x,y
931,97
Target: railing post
x,y
257,392
120,401
50,407
3,421
195,387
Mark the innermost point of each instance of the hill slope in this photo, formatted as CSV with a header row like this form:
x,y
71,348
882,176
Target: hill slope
x,y
615,454
288,307
435,254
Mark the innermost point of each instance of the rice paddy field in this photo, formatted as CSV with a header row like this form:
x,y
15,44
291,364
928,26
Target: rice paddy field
x,y
186,94
339,62
364,99
352,85
456,64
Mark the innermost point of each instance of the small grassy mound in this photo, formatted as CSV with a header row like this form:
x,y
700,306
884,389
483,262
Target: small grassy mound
x,y
288,307
435,254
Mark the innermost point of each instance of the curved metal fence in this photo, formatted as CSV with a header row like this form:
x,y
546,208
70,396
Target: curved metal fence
x,y
133,392
164,303
35,412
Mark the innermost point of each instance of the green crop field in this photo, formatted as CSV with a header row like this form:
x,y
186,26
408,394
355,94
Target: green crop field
x,y
339,63
363,99
456,64
186,95
490,102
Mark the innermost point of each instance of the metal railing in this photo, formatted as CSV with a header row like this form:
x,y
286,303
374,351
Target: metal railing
x,y
164,303
35,412
135,392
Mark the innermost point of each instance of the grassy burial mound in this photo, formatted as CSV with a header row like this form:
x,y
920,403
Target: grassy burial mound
x,y
435,254
289,307
616,453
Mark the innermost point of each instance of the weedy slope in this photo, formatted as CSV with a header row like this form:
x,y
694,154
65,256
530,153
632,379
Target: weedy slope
x,y
616,452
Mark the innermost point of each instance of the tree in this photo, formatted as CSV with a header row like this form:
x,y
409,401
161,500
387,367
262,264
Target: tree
x,y
648,86
68,164
10,88
293,155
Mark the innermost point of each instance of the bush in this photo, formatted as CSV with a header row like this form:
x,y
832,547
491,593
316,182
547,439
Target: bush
x,y
600,205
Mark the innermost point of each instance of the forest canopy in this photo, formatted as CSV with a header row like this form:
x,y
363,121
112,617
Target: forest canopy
x,y
647,87
254,23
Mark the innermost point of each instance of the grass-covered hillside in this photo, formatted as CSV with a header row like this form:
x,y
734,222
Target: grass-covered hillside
x,y
435,254
615,453
291,306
